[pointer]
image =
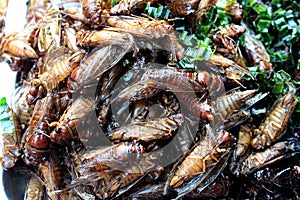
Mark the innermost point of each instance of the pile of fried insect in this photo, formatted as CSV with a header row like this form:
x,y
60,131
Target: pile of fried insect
x,y
112,102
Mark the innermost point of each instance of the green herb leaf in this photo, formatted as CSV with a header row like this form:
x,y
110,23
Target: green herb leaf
x,y
6,125
161,12
278,88
113,3
281,19
3,101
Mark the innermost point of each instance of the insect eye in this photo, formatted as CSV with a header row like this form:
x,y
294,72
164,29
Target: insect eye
x,y
30,99
41,90
63,131
57,130
39,141
72,123
33,90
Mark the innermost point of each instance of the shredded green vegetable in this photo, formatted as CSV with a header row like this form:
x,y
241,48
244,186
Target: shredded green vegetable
x,y
277,25
215,17
6,125
200,47
197,50
161,12
113,3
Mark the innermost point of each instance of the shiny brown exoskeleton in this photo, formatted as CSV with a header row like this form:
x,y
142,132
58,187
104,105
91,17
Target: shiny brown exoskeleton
x,y
148,130
20,106
51,173
111,157
282,180
36,140
106,87
203,155
101,38
257,53
179,80
260,159
34,188
141,26
218,189
65,129
226,106
229,31
229,68
203,7
96,11
210,82
275,123
225,41
115,183
235,10
95,64
130,6
183,8
10,142
49,30
17,45
156,31
244,140
59,66
183,84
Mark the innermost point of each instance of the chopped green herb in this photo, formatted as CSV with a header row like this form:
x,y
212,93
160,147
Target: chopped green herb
x,y
161,12
113,3
281,18
6,125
